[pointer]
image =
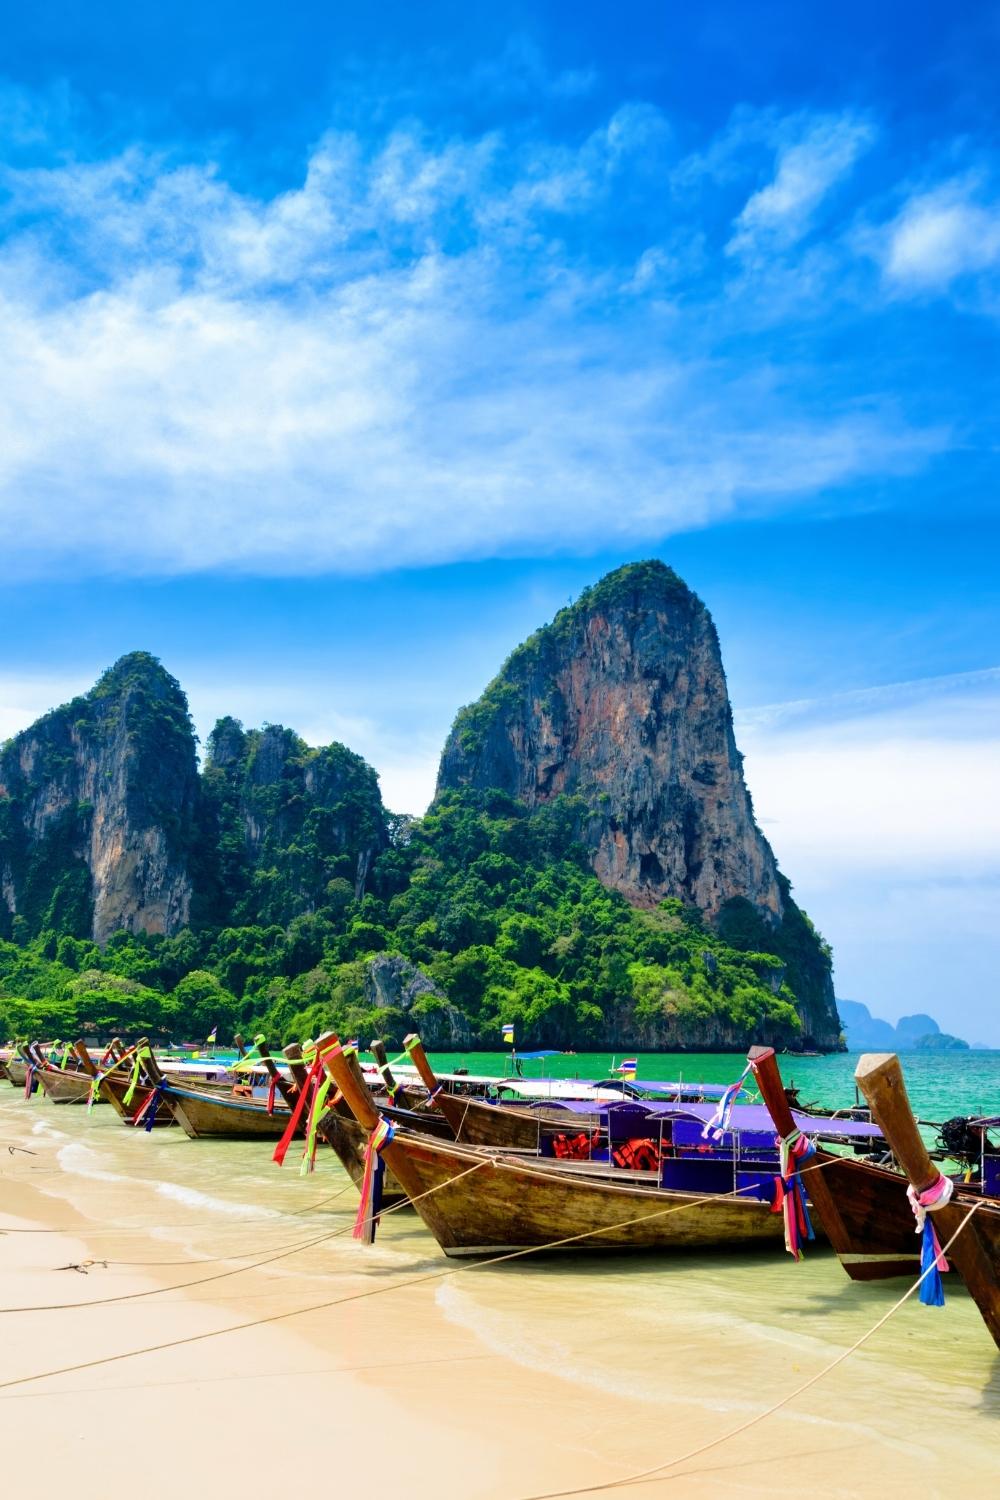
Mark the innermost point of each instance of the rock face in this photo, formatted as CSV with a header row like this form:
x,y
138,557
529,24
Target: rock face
x,y
395,985
106,824
622,704
97,805
622,701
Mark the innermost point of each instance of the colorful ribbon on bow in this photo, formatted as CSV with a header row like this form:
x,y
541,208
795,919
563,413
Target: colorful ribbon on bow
x,y
371,1183
719,1123
146,1113
790,1195
932,1258
133,1083
316,1107
301,1104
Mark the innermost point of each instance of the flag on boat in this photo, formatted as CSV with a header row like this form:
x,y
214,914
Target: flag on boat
x,y
212,1035
508,1033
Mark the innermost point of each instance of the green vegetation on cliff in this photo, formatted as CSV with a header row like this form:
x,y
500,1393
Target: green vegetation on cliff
x,y
497,905
281,823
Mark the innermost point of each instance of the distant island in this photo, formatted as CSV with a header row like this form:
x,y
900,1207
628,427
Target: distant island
x,y
590,871
916,1033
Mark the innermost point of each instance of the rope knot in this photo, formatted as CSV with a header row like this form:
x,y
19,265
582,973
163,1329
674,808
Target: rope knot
x,y
930,1200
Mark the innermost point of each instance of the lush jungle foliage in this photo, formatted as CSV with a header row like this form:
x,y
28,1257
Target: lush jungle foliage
x,y
497,905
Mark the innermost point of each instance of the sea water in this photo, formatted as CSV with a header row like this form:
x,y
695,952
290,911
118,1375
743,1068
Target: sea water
x,y
940,1084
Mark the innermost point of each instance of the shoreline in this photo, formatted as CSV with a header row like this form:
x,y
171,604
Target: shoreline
x,y
513,1381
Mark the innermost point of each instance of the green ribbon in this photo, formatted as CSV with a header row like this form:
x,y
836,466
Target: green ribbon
x,y
319,1099
136,1070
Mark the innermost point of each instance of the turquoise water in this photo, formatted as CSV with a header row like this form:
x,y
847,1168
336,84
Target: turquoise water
x,y
939,1084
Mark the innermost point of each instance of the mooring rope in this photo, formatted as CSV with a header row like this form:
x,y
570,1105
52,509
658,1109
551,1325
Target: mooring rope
x,y
280,1254
283,1251
468,1266
640,1475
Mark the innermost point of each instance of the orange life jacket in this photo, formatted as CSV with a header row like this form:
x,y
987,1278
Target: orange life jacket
x,y
573,1147
637,1155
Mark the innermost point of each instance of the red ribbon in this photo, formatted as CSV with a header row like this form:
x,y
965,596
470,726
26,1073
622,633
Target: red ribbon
x,y
305,1093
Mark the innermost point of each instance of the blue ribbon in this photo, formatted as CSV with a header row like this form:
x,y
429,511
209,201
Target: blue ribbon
x,y
932,1287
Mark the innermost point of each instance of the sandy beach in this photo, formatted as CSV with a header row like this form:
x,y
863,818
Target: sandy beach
x,y
395,1366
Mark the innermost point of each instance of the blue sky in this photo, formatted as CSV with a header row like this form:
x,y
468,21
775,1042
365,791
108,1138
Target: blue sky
x,y
342,348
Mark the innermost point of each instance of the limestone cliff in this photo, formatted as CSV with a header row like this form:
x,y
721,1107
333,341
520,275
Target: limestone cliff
x,y
281,821
622,703
97,802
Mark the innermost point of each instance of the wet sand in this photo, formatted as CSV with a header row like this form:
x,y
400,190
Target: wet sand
x,y
517,1381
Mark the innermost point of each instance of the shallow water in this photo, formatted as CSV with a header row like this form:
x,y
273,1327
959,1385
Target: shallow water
x,y
710,1339
939,1084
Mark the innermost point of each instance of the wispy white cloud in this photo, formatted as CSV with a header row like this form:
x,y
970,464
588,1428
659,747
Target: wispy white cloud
x,y
904,777
401,360
806,169
883,806
940,235
26,696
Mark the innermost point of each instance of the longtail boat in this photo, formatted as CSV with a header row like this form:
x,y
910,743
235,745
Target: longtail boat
x,y
60,1083
17,1070
34,1060
476,1202
862,1207
203,1110
64,1086
399,1095
945,1211
121,1078
349,1141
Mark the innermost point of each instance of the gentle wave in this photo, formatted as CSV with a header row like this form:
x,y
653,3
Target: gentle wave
x,y
81,1161
194,1198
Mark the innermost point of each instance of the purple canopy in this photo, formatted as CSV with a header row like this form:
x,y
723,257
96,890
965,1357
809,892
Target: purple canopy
x,y
745,1117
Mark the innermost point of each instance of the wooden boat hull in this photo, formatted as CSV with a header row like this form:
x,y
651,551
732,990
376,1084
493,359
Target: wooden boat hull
x,y
479,1124
17,1071
348,1141
201,1114
63,1087
507,1204
966,1221
870,1222
114,1087
976,1254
